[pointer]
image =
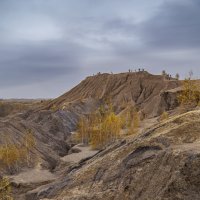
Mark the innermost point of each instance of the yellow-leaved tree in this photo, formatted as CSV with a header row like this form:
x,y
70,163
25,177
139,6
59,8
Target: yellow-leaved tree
x,y
11,157
99,128
82,129
164,116
5,189
29,143
134,123
106,131
190,95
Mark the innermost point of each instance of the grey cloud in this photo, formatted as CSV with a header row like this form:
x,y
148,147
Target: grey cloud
x,y
175,26
32,63
27,75
127,27
45,41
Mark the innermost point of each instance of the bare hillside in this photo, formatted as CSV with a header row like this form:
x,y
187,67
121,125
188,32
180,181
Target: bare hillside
x,y
161,163
141,89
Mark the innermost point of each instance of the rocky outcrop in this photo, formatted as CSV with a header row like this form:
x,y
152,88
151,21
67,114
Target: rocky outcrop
x,y
169,99
161,163
51,129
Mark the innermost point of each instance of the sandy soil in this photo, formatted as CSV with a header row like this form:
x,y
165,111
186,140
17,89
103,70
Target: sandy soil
x,y
147,123
86,152
30,176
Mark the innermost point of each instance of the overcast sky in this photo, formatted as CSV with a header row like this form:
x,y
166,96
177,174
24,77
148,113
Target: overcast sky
x,y
48,46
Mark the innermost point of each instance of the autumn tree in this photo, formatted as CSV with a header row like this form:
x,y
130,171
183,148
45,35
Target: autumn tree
x,y
111,126
5,189
29,143
99,128
190,93
106,131
82,129
11,156
164,116
134,123
54,108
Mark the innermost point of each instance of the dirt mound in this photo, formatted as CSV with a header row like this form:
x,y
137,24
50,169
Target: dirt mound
x,y
141,89
162,163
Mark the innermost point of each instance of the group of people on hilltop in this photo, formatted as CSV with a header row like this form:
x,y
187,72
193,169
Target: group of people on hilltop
x,y
139,70
130,70
166,75
169,76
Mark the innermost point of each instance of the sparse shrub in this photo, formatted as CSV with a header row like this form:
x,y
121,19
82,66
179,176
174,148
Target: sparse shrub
x,y
131,120
54,108
29,143
82,129
164,116
14,155
134,123
5,189
190,94
11,157
104,126
100,128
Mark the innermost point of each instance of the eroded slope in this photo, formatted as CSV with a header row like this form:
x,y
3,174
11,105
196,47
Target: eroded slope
x,y
136,88
162,163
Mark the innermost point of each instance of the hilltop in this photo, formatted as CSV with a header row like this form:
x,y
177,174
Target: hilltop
x,y
140,89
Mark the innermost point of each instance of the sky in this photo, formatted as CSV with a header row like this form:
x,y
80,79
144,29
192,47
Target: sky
x,y
49,46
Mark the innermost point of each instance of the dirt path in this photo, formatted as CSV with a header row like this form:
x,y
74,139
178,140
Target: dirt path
x,y
85,152
32,176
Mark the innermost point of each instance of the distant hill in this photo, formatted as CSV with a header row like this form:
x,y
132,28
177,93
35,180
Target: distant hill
x,y
140,89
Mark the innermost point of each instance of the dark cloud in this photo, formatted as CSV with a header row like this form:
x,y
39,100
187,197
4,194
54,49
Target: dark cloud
x,y
175,26
55,43
30,74
25,64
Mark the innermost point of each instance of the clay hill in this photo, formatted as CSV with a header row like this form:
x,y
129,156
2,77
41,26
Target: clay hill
x,y
150,93
159,163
